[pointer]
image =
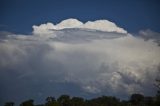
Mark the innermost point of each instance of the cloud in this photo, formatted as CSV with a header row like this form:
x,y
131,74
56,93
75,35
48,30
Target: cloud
x,y
150,35
102,25
84,60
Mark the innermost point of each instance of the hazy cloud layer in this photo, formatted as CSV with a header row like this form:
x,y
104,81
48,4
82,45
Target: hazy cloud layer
x,y
150,35
86,60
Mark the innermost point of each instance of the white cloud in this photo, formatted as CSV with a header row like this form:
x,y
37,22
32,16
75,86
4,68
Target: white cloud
x,y
69,23
43,29
102,25
98,62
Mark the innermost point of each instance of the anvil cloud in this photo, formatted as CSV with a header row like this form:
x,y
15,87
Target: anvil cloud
x,y
97,57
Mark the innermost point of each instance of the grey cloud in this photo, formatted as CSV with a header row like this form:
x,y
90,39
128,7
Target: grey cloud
x,y
96,63
76,35
149,34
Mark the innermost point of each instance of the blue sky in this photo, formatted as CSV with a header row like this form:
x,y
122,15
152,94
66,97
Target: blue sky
x,y
133,15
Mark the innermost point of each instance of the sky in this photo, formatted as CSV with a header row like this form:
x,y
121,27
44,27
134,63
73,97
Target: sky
x,y
133,15
80,48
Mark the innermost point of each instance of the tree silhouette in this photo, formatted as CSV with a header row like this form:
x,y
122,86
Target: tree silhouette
x,y
51,101
103,101
27,103
64,100
137,99
77,101
148,101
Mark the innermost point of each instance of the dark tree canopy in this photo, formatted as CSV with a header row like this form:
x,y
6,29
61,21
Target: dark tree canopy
x,y
66,100
136,99
27,103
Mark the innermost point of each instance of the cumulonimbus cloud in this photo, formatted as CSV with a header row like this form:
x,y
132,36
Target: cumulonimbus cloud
x,y
108,61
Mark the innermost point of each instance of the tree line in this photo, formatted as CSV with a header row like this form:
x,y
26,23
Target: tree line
x,y
66,100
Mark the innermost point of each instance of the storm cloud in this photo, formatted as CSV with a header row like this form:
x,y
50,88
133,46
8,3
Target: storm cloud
x,y
87,57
